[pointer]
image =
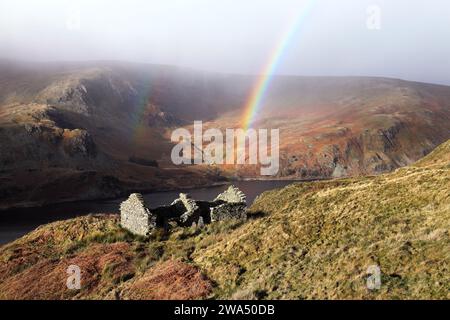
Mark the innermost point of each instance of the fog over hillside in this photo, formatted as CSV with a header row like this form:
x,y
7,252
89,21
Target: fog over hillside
x,y
399,39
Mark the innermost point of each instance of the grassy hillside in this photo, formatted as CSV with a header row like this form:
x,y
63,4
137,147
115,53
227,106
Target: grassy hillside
x,y
317,240
306,241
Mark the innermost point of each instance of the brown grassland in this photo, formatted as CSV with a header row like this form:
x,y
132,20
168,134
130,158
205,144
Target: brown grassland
x,y
306,241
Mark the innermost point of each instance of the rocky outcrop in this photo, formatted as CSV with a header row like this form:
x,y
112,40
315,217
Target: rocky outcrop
x,y
184,211
155,117
79,142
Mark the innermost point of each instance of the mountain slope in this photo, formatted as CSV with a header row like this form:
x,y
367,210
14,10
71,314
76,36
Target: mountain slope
x,y
92,130
317,240
310,240
336,127
74,132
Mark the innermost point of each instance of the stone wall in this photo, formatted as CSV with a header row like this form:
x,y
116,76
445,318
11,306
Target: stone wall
x,y
228,211
230,204
232,195
135,216
184,211
190,208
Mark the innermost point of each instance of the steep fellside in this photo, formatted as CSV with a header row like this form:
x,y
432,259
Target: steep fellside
x,y
306,241
317,240
102,129
93,131
338,127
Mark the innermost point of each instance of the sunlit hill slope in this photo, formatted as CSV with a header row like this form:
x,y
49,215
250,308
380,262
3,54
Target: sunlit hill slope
x,y
306,241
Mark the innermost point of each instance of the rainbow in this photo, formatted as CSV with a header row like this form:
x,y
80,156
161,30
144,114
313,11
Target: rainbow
x,y
139,128
253,103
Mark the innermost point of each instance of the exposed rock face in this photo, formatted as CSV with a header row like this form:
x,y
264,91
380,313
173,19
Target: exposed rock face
x,y
184,211
79,142
135,216
155,117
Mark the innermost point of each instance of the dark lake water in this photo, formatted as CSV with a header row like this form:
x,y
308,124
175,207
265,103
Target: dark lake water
x,y
15,223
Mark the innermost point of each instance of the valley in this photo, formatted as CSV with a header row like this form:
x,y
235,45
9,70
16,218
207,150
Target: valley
x,y
100,130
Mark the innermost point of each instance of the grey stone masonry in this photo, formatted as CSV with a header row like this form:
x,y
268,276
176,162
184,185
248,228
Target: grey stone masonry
x,y
191,208
184,211
135,216
232,195
231,205
227,211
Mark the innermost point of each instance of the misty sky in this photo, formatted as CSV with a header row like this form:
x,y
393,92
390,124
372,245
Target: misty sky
x,y
236,36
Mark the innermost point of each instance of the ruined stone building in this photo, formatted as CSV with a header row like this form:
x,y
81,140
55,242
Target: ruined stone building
x,y
184,211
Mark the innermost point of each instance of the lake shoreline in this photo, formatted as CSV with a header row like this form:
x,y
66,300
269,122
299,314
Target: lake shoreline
x,y
44,203
17,222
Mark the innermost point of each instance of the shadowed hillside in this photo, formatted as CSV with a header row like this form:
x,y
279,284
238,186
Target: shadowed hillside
x,y
306,241
74,131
